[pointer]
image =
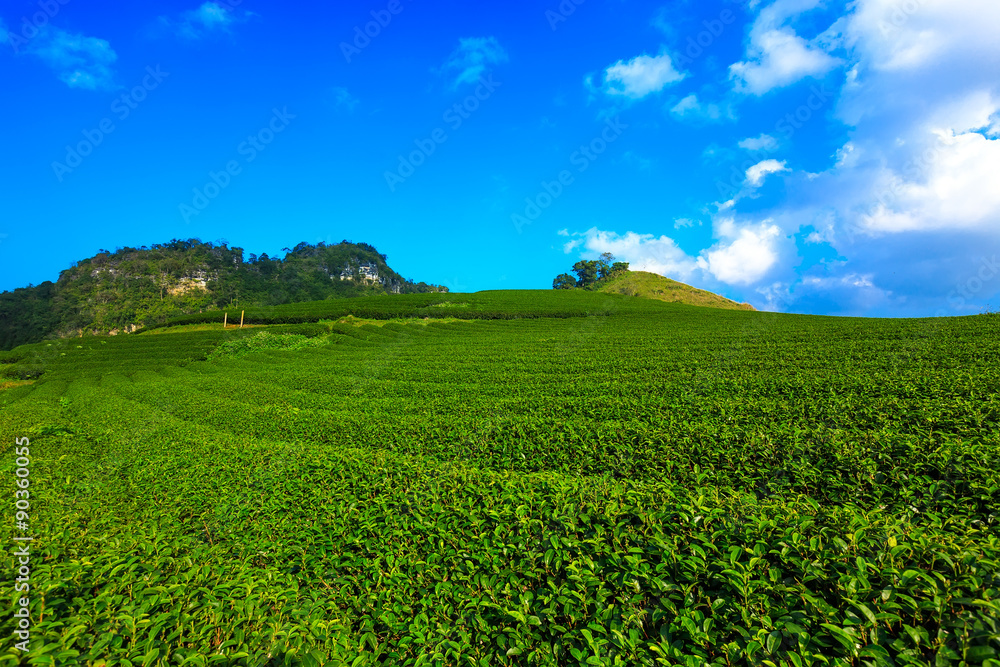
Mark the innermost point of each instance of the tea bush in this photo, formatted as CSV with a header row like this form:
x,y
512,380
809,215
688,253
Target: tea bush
x,y
645,485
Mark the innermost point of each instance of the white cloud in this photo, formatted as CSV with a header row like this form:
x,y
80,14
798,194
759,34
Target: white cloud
x,y
208,18
643,252
81,62
754,177
954,187
780,12
975,111
210,15
744,256
689,108
778,58
473,57
776,55
641,76
845,293
758,172
687,105
909,201
923,107
847,155
764,142
900,36
682,223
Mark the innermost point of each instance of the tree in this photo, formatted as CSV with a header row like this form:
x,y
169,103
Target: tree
x,y
586,271
619,266
604,265
564,281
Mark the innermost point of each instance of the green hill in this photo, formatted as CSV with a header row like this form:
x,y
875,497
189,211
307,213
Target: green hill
x,y
132,288
654,286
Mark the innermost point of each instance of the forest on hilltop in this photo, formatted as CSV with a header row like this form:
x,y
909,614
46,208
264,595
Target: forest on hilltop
x,y
135,287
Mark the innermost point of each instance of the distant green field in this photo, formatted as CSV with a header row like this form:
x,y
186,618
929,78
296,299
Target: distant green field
x,y
500,304
566,478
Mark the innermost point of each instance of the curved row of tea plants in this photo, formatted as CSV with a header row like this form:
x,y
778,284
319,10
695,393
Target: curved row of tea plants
x,y
489,305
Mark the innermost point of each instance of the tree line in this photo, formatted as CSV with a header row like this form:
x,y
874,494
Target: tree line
x,y
590,272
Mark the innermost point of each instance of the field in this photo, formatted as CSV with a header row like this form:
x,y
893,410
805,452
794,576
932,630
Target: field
x,y
512,478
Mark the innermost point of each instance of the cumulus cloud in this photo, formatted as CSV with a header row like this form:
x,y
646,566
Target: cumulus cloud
x,y
895,36
764,142
923,140
911,191
80,61
210,17
643,252
902,217
640,76
473,57
758,172
957,189
778,58
744,255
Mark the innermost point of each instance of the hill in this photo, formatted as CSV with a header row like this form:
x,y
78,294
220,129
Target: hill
x,y
132,288
654,286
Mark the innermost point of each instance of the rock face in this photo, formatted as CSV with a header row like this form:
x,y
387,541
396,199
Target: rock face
x,y
195,281
128,329
367,273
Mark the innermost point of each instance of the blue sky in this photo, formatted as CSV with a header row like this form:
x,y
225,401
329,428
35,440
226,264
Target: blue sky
x,y
805,156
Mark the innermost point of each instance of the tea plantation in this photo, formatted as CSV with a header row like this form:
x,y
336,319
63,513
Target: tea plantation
x,y
511,478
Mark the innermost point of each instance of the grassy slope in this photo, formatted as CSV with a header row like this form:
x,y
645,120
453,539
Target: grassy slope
x,y
654,286
536,491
